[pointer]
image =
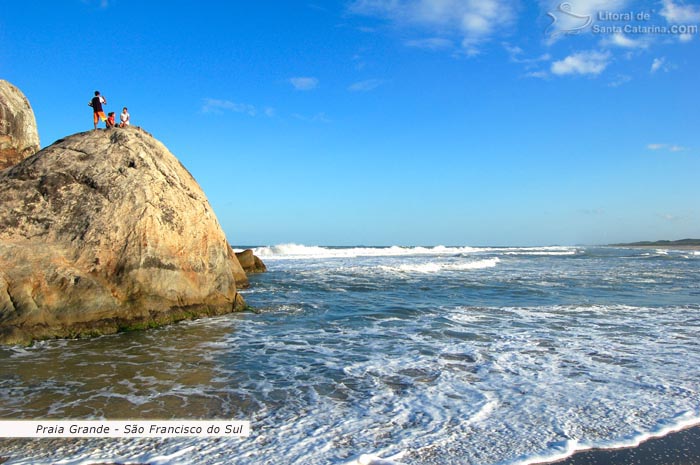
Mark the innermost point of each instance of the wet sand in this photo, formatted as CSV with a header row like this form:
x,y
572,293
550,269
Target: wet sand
x,y
680,448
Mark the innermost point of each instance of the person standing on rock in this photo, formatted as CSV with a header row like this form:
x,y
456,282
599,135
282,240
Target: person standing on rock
x,y
97,111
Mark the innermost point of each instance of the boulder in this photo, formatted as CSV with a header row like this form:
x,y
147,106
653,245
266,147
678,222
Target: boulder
x,y
19,137
250,263
104,231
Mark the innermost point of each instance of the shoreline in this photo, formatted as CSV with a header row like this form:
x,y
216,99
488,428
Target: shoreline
x,y
664,247
680,447
676,448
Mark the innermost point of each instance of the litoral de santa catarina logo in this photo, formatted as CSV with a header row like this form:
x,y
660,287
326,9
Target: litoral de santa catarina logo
x,y
566,19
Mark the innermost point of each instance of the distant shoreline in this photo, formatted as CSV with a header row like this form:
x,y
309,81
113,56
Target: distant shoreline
x,y
683,244
675,247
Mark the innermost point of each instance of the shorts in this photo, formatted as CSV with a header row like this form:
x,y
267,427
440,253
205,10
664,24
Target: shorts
x,y
99,114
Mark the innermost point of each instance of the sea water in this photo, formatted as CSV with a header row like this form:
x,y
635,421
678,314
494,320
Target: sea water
x,y
422,355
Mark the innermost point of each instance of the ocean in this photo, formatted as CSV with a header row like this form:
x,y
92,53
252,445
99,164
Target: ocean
x,y
412,355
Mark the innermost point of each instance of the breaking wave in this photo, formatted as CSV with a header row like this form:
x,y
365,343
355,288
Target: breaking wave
x,y
436,267
299,251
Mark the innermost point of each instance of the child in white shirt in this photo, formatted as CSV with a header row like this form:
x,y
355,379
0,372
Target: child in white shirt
x,y
124,118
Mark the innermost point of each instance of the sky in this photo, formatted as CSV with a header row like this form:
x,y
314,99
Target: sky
x,y
392,122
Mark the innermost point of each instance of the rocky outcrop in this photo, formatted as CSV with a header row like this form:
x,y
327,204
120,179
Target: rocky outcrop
x,y
250,263
106,230
19,138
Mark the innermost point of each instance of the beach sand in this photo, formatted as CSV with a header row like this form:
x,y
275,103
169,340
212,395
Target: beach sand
x,y
680,448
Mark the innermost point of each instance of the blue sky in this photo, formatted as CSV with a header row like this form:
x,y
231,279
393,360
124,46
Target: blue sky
x,y
380,122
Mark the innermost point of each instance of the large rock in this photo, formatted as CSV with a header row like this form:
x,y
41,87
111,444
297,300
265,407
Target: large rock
x,y
19,138
106,230
250,263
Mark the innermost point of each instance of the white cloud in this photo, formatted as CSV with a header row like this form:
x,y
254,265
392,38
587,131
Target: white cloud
x,y
659,64
532,64
668,147
218,106
365,86
513,50
591,62
304,83
680,13
517,55
620,80
431,43
537,74
473,21
620,40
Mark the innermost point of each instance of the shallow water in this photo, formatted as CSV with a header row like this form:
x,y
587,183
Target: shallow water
x,y
443,355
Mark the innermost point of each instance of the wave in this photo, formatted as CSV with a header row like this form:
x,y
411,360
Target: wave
x,y
551,250
566,449
298,251
370,459
668,254
435,267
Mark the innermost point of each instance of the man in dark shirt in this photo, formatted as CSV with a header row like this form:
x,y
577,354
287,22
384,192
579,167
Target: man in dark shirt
x,y
97,111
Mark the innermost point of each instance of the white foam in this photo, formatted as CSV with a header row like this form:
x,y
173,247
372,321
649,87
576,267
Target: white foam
x,y
551,250
571,447
436,267
487,383
368,459
298,251
485,411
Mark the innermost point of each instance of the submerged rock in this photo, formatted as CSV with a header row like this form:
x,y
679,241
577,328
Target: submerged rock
x,y
250,263
19,137
106,230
